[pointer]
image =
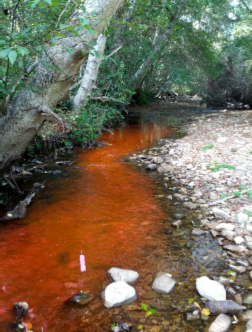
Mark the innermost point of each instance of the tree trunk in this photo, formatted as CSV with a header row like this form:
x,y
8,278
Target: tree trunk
x,y
90,75
163,86
29,110
138,77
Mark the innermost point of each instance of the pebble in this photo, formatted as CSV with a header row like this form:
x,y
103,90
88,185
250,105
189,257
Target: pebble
x,y
247,299
220,214
241,218
239,269
151,167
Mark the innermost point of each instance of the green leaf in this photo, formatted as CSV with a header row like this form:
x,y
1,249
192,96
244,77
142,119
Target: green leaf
x,y
59,34
93,43
140,327
69,50
4,53
148,313
2,42
63,26
144,306
23,50
83,20
49,2
96,54
112,326
83,8
53,68
153,311
12,56
90,30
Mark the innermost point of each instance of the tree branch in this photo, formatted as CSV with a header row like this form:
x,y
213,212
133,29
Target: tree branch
x,y
116,50
245,5
46,111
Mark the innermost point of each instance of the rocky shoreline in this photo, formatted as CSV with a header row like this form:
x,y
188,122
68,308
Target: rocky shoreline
x,y
211,171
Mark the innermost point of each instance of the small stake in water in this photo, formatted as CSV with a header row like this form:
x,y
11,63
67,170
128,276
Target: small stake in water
x,y
82,263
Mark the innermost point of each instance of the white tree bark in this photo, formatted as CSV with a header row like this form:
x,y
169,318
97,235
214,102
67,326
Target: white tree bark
x,y
91,73
157,44
29,110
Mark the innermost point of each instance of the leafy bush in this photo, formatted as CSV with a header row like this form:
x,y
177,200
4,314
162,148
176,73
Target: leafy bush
x,y
87,125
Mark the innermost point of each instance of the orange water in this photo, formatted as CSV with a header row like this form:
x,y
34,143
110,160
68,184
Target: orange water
x,y
98,209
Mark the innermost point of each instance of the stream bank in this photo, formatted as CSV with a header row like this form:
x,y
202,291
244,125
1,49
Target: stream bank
x,y
210,169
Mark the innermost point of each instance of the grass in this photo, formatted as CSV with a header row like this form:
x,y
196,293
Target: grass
x,y
210,146
217,167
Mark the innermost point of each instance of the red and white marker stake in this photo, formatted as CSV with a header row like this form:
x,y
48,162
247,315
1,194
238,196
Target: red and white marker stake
x,y
82,263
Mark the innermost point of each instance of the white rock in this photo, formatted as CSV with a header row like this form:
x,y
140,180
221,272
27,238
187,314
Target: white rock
x,y
210,289
163,284
118,294
221,324
220,214
239,240
248,238
228,235
241,218
225,227
129,276
249,324
249,228
221,139
239,269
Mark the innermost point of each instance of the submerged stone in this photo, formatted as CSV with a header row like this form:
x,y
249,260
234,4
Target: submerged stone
x,y
151,167
81,299
117,294
247,299
221,324
163,284
224,307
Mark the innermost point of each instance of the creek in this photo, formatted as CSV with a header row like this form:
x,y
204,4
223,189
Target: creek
x,y
118,215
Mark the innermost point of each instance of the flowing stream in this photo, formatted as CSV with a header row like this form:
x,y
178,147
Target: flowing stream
x,y
118,215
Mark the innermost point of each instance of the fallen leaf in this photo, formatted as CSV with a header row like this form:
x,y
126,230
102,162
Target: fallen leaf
x,y
205,311
196,304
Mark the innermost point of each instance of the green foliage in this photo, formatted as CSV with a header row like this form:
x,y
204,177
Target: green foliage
x,y
249,214
217,167
210,146
224,195
87,125
143,97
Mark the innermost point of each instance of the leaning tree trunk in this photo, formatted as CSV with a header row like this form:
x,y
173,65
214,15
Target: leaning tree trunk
x,y
29,110
90,74
139,75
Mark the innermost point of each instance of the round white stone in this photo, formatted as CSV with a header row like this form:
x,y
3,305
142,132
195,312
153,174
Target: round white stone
x,y
129,276
210,289
118,293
